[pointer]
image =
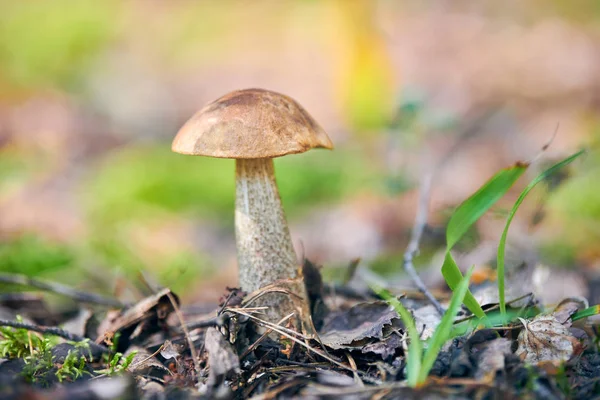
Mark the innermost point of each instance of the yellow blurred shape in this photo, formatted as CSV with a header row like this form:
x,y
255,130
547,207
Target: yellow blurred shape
x,y
365,79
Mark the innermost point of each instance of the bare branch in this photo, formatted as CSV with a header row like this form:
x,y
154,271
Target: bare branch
x,y
415,238
84,297
186,333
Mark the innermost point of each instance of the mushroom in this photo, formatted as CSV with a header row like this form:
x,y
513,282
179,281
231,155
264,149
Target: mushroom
x,y
253,126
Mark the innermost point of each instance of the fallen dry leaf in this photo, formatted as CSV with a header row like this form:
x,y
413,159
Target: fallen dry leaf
x,y
170,350
545,339
145,364
567,308
147,316
352,328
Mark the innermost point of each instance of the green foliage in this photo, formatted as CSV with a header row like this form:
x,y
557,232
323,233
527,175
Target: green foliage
x,y
38,368
117,363
17,343
415,347
32,255
502,245
466,215
588,312
36,352
72,368
444,329
51,43
492,320
478,204
419,364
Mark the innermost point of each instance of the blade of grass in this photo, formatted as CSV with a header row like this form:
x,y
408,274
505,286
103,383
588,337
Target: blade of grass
x,y
475,206
491,320
466,215
453,277
588,312
415,347
444,329
502,244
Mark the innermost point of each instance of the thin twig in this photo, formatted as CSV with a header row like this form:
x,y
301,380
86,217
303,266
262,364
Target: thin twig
x,y
423,206
205,323
352,363
415,237
141,362
50,330
84,297
293,338
495,307
251,348
186,333
545,146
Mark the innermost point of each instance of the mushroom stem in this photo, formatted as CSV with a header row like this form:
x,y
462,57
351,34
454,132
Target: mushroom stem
x,y
264,245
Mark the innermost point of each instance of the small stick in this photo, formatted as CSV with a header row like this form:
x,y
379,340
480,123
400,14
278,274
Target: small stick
x,y
134,366
186,334
263,337
53,331
305,345
205,323
422,208
291,337
352,363
84,297
415,237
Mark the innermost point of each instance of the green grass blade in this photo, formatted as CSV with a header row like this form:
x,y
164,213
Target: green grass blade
x,y
502,244
415,347
491,320
444,329
475,206
588,312
466,215
453,277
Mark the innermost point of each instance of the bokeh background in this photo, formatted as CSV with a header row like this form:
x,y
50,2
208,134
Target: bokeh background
x,y
92,93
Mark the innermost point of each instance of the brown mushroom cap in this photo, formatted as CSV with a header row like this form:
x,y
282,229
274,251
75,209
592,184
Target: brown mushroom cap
x,y
250,123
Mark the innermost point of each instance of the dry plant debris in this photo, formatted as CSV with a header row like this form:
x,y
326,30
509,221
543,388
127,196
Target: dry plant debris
x,y
359,353
544,339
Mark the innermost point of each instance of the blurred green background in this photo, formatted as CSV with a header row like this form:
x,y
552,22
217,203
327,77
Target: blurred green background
x,y
92,93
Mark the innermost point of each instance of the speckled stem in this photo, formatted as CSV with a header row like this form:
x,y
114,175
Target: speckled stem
x,y
265,250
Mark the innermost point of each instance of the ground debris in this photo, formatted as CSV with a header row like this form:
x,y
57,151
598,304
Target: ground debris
x,y
359,353
144,363
545,339
491,358
138,322
359,326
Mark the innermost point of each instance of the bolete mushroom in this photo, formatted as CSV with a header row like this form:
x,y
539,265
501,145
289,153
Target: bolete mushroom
x,y
253,126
